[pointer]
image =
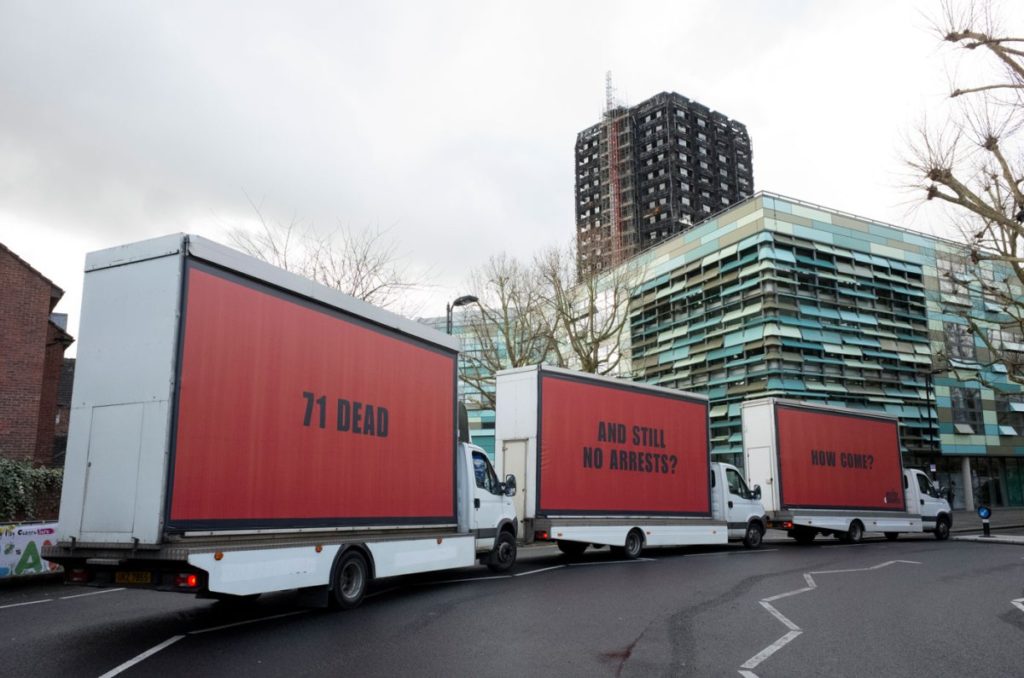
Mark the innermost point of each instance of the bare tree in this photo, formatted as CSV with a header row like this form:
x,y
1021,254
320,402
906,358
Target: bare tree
x,y
508,327
362,263
590,314
976,166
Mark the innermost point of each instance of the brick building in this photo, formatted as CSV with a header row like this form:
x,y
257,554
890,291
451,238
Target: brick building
x,y
32,344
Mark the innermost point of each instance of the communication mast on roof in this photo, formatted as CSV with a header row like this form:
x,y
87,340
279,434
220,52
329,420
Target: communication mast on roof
x,y
609,91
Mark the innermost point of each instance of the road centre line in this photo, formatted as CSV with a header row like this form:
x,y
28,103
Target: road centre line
x,y
611,562
728,553
31,602
142,657
459,581
746,670
543,569
91,593
173,639
246,621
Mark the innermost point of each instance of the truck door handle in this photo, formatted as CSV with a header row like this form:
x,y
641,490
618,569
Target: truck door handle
x,y
476,503
730,503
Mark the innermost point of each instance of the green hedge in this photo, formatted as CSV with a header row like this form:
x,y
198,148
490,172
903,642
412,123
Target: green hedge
x,y
22,486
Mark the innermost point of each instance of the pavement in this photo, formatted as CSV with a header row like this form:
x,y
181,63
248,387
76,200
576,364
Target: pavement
x,y
967,526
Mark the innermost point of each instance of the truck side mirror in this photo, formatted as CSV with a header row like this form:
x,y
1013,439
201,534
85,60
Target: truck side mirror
x,y
510,485
756,492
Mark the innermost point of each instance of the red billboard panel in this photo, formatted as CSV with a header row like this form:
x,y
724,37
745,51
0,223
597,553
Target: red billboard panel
x,y
289,413
837,460
619,450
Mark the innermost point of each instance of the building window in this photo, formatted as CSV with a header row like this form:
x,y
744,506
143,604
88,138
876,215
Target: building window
x,y
1010,413
967,416
960,342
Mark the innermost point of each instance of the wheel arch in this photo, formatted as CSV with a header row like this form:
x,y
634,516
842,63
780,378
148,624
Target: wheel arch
x,y
362,550
509,525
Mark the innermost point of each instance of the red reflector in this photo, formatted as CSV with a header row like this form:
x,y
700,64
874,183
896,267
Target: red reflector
x,y
540,535
788,525
186,581
79,575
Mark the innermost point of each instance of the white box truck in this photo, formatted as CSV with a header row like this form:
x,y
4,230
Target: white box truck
x,y
604,461
237,429
836,471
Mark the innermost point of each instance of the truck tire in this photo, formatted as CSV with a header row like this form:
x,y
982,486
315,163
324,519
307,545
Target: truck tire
x,y
892,536
755,533
634,545
503,555
942,528
572,549
351,576
853,535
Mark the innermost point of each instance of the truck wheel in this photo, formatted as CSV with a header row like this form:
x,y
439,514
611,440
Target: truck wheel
x,y
503,555
350,579
942,529
892,536
572,549
755,533
854,535
803,535
634,545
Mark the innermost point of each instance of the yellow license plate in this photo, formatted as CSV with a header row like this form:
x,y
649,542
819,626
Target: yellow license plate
x,y
133,577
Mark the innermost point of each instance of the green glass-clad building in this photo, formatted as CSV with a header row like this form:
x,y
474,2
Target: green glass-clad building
x,y
775,296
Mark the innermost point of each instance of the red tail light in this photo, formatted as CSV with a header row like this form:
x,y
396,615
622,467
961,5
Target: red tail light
x,y
186,581
541,536
79,576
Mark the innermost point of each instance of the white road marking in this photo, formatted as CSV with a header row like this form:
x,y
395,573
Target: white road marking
x,y
459,581
746,670
543,569
770,650
91,593
31,602
728,553
247,621
609,562
1018,603
50,600
142,657
173,639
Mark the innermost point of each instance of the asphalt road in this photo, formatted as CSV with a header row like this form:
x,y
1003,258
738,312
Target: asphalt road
x,y
915,607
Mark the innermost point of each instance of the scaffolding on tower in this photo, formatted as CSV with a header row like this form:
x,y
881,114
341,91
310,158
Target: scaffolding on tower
x,y
613,118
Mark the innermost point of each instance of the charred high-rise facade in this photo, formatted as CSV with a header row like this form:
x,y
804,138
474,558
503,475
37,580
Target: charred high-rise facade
x,y
649,171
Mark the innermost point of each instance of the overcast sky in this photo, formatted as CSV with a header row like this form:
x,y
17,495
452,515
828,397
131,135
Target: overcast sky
x,y
452,124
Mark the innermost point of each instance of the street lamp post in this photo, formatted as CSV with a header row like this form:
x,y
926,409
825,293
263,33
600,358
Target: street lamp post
x,y
461,301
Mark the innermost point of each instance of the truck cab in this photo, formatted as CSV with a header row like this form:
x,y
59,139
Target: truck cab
x,y
923,498
486,509
736,504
